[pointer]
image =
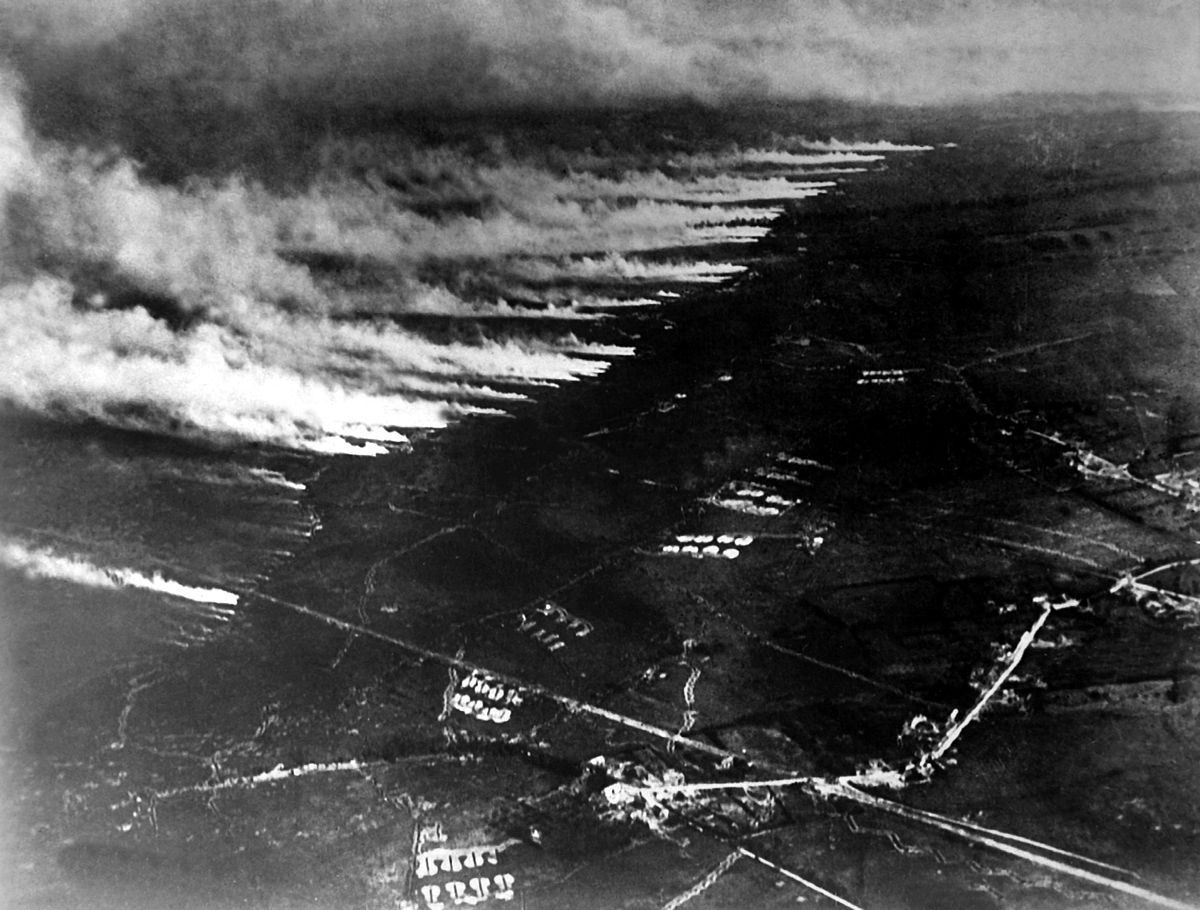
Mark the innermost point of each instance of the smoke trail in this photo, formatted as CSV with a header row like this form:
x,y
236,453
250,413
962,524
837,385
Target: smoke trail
x,y
794,159
274,478
620,268
357,221
729,188
881,145
223,475
612,303
744,233
564,296
501,309
756,163
44,563
444,180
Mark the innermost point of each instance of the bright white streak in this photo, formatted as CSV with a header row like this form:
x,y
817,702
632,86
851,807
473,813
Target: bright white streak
x,y
44,563
768,156
623,268
881,145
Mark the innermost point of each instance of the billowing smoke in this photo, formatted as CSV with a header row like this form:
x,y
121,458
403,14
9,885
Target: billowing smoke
x,y
185,310
41,562
297,313
360,222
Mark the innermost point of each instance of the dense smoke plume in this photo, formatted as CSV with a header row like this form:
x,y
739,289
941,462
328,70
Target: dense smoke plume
x,y
177,310
157,271
42,562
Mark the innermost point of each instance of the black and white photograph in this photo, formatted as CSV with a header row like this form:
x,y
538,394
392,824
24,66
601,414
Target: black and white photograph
x,y
599,454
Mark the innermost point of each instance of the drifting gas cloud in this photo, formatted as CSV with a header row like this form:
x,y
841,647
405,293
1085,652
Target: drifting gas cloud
x,y
40,562
431,53
178,310
224,310
617,268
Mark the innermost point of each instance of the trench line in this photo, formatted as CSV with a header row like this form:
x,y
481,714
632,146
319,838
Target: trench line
x,y
705,883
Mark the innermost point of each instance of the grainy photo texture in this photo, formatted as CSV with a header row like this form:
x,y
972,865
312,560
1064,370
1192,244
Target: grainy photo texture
x,y
599,454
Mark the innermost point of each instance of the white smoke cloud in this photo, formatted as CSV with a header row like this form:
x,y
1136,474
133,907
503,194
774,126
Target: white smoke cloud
x,y
222,475
615,267
304,383
40,562
501,309
439,177
878,145
794,159
744,233
236,342
360,222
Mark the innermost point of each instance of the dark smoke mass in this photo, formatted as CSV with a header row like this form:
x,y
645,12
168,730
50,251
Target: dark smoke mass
x,y
238,79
